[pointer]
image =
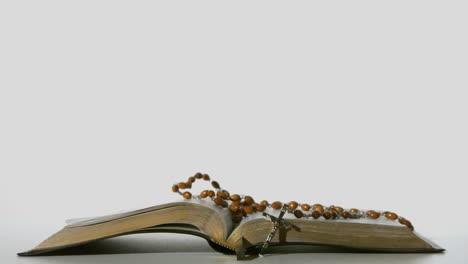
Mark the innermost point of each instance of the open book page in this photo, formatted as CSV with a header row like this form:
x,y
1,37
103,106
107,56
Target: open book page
x,y
195,217
222,212
366,234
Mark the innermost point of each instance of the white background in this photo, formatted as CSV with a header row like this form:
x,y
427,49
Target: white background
x,y
105,104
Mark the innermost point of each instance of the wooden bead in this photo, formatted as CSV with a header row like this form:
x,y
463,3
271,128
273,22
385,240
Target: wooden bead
x,y
292,205
391,216
334,215
175,188
191,179
305,207
405,222
353,210
261,207
276,205
327,215
206,177
218,201
198,175
234,207
346,214
372,214
187,195
298,213
248,200
339,209
235,197
239,213
223,194
204,194
316,214
264,202
255,206
226,194
188,184
215,184
211,193
248,209
318,207
182,185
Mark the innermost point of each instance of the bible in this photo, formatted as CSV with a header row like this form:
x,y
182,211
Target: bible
x,y
203,218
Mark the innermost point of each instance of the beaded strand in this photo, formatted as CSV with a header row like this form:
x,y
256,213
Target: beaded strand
x,y
242,205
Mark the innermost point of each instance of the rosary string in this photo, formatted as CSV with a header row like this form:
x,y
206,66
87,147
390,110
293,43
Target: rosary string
x,y
241,206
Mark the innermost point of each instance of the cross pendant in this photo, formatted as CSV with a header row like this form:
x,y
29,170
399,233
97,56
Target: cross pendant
x,y
278,222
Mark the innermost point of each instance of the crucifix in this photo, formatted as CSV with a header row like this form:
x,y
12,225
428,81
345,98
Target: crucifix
x,y
277,223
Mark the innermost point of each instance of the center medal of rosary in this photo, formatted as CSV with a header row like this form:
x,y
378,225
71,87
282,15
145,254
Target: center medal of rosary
x,y
242,206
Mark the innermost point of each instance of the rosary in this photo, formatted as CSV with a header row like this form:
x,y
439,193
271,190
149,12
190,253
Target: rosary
x,y
242,205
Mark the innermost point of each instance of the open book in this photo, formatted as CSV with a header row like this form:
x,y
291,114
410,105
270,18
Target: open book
x,y
213,223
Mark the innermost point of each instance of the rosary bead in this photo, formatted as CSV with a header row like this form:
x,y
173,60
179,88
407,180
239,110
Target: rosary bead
x,y
187,195
261,207
234,208
318,207
235,197
175,188
390,215
405,222
215,184
182,185
353,210
236,204
211,193
334,215
316,214
255,206
276,205
339,209
188,184
298,213
264,202
248,200
218,201
237,217
226,194
248,209
346,215
372,214
305,207
239,213
198,175
204,194
206,177
327,215
191,179
292,205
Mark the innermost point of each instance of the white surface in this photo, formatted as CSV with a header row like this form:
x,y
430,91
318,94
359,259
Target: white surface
x,y
105,104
